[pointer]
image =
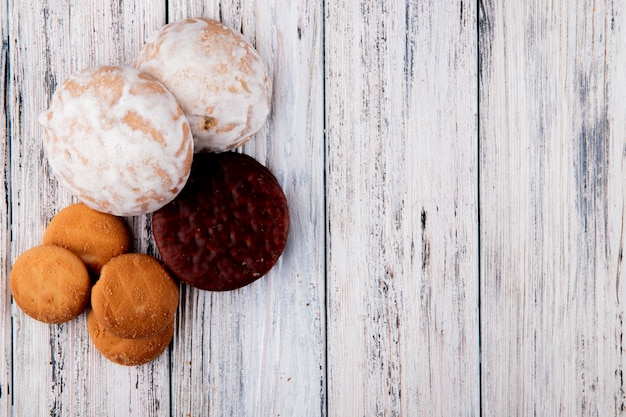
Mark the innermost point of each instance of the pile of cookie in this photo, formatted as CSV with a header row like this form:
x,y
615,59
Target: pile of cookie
x,y
156,139
133,301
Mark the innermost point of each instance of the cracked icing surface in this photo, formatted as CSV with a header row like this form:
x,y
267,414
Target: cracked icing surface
x,y
217,76
118,140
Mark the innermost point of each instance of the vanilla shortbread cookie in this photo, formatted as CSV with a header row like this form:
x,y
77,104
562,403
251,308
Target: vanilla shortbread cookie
x,y
128,352
135,296
50,284
93,236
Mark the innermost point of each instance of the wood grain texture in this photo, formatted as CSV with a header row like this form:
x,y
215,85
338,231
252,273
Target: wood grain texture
x,y
394,126
56,370
257,351
402,208
5,222
552,164
260,350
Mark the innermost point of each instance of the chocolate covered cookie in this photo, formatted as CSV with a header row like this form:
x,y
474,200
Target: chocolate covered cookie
x,y
227,227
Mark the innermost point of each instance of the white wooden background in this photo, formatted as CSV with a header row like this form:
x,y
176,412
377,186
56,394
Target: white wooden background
x,y
456,172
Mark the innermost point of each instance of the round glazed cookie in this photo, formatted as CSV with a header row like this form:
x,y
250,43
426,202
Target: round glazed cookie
x,y
50,284
117,140
93,236
216,75
227,227
135,297
128,352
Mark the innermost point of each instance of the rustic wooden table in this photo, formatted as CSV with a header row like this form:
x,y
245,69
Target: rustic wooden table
x,y
456,172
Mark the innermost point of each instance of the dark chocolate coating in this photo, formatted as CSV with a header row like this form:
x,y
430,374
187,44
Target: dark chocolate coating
x,y
227,227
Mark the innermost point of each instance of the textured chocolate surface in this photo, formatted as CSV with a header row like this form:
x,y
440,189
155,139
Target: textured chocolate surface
x,y
227,227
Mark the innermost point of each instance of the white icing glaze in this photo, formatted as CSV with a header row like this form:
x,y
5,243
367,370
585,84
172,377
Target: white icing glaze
x,y
218,78
117,140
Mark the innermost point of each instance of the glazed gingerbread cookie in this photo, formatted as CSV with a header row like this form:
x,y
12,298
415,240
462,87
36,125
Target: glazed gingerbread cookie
x,y
117,140
135,296
128,352
50,284
218,78
93,236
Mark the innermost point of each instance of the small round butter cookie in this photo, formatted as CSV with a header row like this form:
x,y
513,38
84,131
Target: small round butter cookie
x,y
50,284
228,226
95,237
127,352
218,78
117,140
135,296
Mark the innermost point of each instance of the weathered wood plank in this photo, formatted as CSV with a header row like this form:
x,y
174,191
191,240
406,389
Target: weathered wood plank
x,y
55,369
260,350
553,190
5,223
402,208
